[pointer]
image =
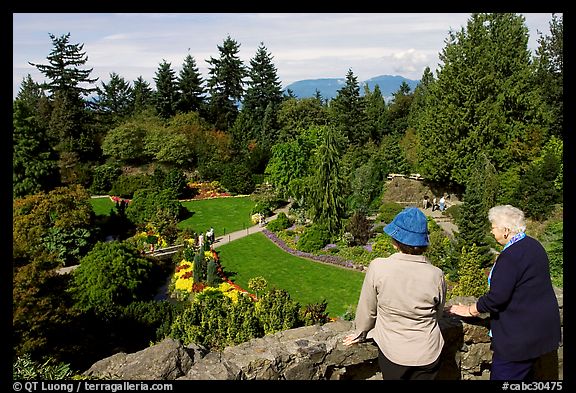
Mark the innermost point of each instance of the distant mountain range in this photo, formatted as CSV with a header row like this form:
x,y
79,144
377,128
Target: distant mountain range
x,y
328,87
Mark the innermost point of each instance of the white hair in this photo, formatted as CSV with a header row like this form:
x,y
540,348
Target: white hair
x,y
507,216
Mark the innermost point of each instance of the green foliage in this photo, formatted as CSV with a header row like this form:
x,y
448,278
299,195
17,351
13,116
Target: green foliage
x,y
441,253
126,278
166,90
276,311
64,209
225,84
484,101
126,185
314,238
382,246
540,190
68,244
103,178
26,369
150,318
553,241
389,210
325,199
280,223
147,203
125,143
472,280
34,162
237,178
257,284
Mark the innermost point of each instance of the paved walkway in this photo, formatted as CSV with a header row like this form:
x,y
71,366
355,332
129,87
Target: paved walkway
x,y
225,239
445,222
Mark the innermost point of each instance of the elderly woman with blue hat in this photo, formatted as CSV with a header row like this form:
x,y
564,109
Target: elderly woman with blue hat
x,y
401,302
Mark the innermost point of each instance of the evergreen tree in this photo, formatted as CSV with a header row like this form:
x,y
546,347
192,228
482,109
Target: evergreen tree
x,y
225,84
399,109
325,198
190,82
69,123
166,90
376,113
484,100
34,163
263,96
142,95
550,71
347,110
479,197
63,71
471,277
115,97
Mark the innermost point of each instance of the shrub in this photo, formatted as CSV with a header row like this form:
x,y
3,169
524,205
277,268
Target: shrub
x,y
471,281
388,211
103,178
126,185
26,369
280,223
314,238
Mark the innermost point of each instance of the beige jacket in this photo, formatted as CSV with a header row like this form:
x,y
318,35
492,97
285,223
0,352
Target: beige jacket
x,y
401,301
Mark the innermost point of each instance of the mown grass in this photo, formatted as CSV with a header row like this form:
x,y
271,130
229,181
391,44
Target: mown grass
x,y
102,206
306,281
225,215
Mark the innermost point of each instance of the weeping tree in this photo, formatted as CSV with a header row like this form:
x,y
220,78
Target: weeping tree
x,y
326,198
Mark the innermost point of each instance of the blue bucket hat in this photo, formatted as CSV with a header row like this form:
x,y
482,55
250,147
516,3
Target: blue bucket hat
x,y
409,227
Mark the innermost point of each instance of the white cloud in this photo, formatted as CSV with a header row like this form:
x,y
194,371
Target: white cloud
x,y
303,45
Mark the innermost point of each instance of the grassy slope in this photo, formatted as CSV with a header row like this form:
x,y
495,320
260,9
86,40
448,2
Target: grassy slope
x,y
306,281
225,215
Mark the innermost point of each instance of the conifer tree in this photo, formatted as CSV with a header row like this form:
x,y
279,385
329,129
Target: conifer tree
x,y
225,84
166,90
263,96
347,110
484,100
326,200
472,280
34,162
550,70
69,123
479,197
376,113
142,95
115,97
190,87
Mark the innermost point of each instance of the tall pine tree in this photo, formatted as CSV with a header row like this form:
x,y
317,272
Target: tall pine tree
x,y
190,82
166,90
225,84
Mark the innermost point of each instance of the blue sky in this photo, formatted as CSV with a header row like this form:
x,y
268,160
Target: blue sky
x,y
303,46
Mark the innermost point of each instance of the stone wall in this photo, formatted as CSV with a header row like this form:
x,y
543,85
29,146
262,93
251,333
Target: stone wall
x,y
312,353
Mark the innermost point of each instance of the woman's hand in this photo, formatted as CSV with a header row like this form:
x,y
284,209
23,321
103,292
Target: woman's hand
x,y
460,310
352,339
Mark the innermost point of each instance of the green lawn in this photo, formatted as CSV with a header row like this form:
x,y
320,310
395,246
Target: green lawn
x,y
102,206
225,215
306,281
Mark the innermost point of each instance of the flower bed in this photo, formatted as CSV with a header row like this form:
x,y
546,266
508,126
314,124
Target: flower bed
x,y
335,260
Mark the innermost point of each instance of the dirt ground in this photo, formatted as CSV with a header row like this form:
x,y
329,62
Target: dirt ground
x,y
411,192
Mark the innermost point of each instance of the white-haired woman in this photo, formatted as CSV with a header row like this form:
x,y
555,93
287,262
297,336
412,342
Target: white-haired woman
x,y
525,320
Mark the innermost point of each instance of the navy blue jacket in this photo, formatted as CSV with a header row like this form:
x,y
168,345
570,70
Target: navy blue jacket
x,y
525,319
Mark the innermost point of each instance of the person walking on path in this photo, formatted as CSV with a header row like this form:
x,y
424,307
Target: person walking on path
x,y
401,302
524,315
442,203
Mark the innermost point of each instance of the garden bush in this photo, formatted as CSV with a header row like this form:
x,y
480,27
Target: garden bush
x,y
314,238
